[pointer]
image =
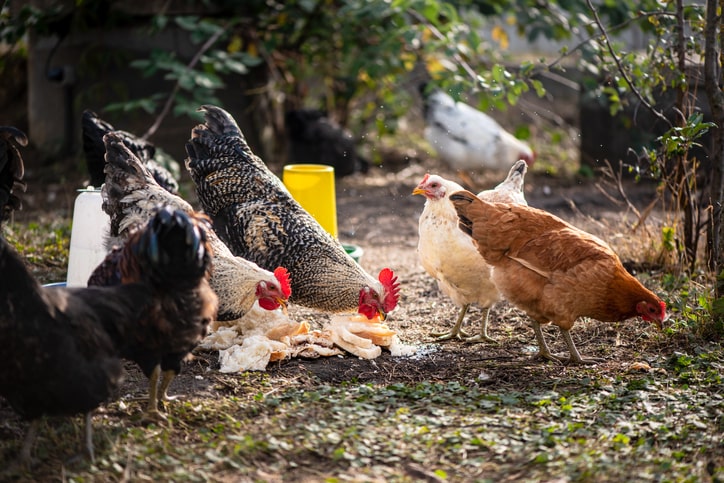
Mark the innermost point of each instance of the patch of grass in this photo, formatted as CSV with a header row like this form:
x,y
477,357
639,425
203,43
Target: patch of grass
x,y
611,429
44,244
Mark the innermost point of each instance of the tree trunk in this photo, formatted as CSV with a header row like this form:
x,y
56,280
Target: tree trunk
x,y
712,79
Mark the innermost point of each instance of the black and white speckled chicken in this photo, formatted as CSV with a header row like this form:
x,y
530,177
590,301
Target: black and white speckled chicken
x,y
171,256
12,170
256,216
131,196
94,128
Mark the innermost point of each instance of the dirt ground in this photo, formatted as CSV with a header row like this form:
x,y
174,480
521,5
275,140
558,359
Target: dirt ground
x,y
377,212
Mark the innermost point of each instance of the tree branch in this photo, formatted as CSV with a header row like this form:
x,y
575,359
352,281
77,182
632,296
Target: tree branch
x,y
620,67
195,60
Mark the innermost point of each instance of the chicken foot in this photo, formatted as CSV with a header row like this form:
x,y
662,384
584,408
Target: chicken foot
x,y
456,331
545,353
152,414
575,355
483,335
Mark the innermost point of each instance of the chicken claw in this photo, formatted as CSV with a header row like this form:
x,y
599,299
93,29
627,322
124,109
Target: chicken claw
x,y
456,332
483,335
545,353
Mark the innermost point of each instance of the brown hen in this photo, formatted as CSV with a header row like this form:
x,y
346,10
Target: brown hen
x,y
553,271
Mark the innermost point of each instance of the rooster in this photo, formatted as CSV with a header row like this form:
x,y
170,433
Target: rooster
x,y
450,256
94,128
171,257
553,271
12,170
467,139
260,221
130,196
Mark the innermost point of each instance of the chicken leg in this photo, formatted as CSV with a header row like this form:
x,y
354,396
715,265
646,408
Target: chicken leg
x,y
483,335
456,331
88,429
166,379
575,355
152,414
543,351
30,435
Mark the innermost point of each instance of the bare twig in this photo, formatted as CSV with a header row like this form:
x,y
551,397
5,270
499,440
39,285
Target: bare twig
x,y
621,69
195,60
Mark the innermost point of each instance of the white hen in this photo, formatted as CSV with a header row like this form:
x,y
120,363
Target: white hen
x,y
467,139
448,255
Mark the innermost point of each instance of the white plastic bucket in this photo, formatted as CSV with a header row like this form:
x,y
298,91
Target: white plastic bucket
x,y
90,227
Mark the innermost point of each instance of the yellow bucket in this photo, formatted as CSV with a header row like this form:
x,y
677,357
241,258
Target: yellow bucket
x,y
312,185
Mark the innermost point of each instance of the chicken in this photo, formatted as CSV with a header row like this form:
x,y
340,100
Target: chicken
x,y
59,354
450,257
130,197
553,271
257,217
171,256
317,139
94,128
12,170
469,140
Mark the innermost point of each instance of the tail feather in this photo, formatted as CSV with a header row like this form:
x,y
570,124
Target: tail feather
x,y
174,247
12,170
94,147
463,200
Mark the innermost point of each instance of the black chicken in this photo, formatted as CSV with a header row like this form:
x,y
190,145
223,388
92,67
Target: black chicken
x,y
94,128
12,170
59,355
316,139
170,256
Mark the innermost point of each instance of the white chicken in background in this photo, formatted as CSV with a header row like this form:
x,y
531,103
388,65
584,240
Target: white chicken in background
x,y
467,139
451,258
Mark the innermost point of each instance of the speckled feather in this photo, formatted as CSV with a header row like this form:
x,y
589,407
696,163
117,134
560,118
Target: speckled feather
x,y
131,196
257,217
94,128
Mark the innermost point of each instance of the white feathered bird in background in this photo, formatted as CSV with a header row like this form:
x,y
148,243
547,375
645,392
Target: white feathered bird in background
x,y
467,139
450,256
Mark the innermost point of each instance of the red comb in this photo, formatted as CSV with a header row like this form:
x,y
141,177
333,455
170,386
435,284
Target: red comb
x,y
388,279
282,275
427,175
